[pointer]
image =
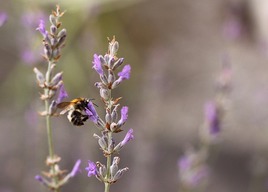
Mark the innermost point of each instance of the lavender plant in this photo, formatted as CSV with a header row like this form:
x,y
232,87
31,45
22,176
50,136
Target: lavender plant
x,y
53,93
193,167
111,124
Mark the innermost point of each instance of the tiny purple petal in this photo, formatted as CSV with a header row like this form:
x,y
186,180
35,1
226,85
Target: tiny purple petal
x,y
41,180
41,28
129,136
3,18
97,64
62,94
92,168
92,113
125,73
212,118
76,168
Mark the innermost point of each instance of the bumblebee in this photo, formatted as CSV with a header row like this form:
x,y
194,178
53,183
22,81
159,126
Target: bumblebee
x,y
76,110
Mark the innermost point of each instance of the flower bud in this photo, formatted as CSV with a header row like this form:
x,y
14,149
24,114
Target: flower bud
x,y
114,166
111,76
40,77
108,117
102,60
56,53
61,40
113,127
47,51
103,143
53,20
113,47
53,29
111,145
62,33
119,174
118,63
114,114
56,79
52,108
105,94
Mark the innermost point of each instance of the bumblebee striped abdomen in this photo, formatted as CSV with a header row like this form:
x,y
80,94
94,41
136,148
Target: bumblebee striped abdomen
x,y
77,117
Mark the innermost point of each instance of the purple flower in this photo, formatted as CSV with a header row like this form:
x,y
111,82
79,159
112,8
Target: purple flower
x,y
62,94
193,170
41,28
125,73
92,113
97,65
3,18
92,169
129,136
124,116
184,163
212,117
76,168
41,180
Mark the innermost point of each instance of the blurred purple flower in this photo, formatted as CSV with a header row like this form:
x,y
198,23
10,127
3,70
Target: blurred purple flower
x,y
3,18
31,19
62,94
192,169
92,169
29,57
76,168
232,29
41,28
129,136
97,65
92,113
125,73
212,117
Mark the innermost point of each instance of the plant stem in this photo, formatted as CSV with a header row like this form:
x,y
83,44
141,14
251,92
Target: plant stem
x,y
48,124
108,165
109,157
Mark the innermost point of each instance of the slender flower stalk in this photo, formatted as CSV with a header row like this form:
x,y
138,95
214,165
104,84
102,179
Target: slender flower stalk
x,y
53,93
106,67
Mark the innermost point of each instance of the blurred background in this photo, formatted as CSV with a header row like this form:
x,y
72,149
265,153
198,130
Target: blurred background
x,y
176,50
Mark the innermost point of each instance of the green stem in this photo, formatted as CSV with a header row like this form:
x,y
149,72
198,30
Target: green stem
x,y
109,157
49,132
108,165
48,125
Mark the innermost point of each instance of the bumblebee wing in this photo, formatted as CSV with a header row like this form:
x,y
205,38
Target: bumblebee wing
x,y
66,106
63,105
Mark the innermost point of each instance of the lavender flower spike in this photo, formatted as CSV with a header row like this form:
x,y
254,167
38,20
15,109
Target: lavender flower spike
x,y
92,113
97,65
76,168
92,169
